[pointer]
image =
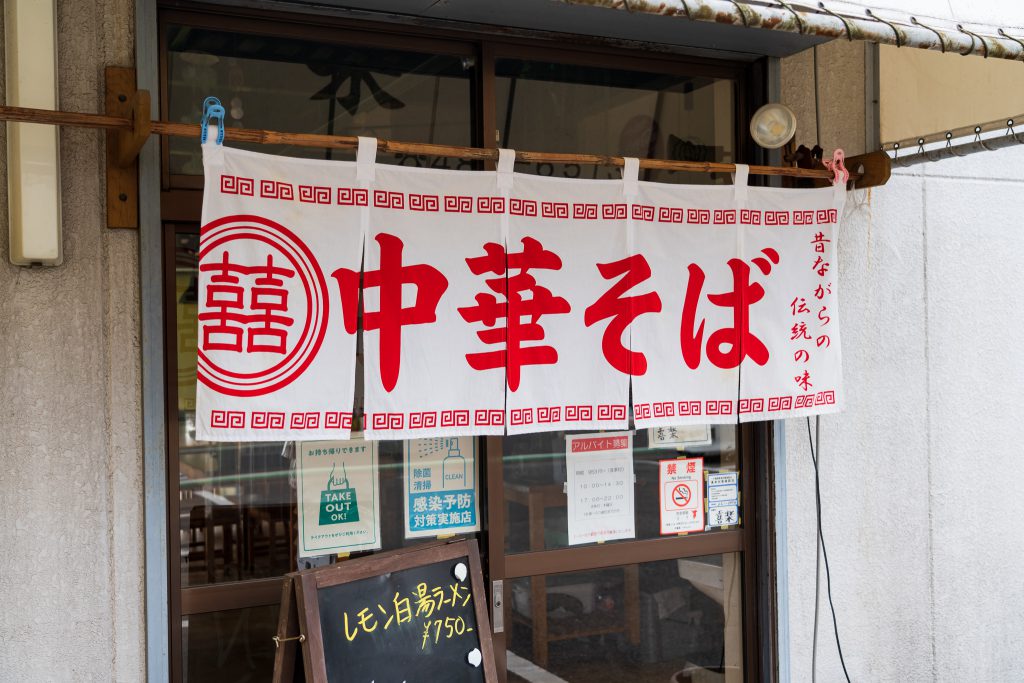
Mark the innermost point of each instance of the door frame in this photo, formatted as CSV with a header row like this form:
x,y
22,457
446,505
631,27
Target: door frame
x,y
181,202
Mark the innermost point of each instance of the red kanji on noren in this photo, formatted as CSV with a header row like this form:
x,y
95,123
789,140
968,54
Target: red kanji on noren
x,y
489,310
804,380
623,310
727,347
819,242
392,315
265,329
799,332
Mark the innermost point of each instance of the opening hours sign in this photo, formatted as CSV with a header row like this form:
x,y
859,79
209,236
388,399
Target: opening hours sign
x,y
500,303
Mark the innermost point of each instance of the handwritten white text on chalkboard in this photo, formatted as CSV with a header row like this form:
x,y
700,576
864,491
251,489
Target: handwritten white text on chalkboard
x,y
428,602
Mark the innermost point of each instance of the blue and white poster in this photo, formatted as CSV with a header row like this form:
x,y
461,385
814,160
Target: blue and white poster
x,y
440,487
723,499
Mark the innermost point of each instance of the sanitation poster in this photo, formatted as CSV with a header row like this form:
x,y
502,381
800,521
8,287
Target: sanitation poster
x,y
682,495
339,500
599,485
723,499
440,487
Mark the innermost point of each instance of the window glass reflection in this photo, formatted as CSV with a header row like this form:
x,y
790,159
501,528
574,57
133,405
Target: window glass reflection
x,y
550,107
670,621
233,646
302,86
535,475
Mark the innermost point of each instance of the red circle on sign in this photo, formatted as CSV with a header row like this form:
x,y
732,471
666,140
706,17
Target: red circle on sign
x,y
282,241
681,495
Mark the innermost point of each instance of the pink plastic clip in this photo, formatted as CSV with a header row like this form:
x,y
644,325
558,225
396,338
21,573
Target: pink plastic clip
x,y
838,168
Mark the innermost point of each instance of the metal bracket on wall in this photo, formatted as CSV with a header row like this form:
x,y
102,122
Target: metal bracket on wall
x,y
123,100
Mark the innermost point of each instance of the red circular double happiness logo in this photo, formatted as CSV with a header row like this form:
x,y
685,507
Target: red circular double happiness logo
x,y
262,309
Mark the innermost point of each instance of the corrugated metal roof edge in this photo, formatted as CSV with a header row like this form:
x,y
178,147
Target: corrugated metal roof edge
x,y
826,23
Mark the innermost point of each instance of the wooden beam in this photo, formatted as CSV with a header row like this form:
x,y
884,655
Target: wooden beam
x,y
872,169
73,119
123,144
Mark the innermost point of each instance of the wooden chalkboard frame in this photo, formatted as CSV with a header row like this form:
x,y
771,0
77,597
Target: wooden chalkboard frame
x,y
308,583
288,635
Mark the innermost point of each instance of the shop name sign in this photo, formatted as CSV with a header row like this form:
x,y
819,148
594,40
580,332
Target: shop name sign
x,y
494,302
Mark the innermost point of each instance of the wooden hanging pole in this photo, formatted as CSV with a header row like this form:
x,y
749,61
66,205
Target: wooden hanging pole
x,y
128,127
270,137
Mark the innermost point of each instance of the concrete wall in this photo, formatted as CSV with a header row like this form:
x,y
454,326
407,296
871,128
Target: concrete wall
x,y
920,502
71,560
841,74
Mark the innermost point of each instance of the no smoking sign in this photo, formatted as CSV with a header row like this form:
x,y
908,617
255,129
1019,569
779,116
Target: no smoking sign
x,y
682,499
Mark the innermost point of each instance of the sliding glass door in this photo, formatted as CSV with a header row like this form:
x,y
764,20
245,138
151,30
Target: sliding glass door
x,y
651,608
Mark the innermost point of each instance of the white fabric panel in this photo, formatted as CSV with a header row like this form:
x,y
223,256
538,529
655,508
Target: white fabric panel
x,y
438,219
718,303
562,233
798,316
686,233
275,360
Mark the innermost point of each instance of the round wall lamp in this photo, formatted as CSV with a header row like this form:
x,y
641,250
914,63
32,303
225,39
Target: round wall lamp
x,y
773,125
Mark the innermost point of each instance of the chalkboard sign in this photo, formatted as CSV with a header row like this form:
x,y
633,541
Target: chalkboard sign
x,y
288,637
415,616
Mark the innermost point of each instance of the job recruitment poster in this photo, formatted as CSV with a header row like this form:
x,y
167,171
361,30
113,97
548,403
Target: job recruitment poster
x,y
599,483
339,510
440,487
682,495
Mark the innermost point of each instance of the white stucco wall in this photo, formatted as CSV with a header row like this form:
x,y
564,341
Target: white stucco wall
x,y
920,475
71,569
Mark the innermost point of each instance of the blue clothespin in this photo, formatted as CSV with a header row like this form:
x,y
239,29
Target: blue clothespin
x,y
212,108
